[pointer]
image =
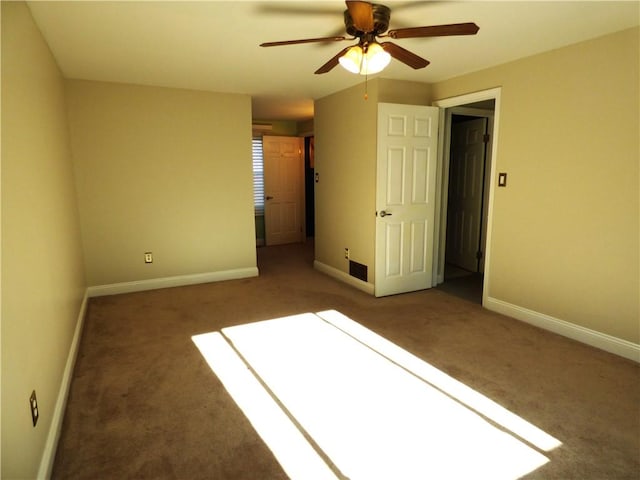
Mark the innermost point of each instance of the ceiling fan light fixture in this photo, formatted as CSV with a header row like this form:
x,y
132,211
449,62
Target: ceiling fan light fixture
x,y
352,60
373,61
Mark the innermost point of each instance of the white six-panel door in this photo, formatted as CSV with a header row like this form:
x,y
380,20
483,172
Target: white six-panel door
x,y
405,197
282,187
464,216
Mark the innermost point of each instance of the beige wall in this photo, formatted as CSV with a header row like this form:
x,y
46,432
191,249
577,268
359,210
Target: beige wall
x,y
565,229
42,278
345,142
305,127
407,93
161,170
565,239
345,152
286,128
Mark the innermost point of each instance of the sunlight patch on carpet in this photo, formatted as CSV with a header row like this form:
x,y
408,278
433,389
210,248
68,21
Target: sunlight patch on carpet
x,y
291,449
369,408
452,387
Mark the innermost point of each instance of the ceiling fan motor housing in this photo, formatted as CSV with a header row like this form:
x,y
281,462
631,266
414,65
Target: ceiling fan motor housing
x,y
381,16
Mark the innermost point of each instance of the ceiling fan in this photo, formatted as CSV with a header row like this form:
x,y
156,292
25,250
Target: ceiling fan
x,y
366,22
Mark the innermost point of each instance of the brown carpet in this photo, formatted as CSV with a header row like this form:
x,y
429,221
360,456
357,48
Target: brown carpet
x,y
144,404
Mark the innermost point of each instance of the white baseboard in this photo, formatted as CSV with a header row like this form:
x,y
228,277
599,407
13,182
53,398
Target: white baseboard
x,y
594,338
51,444
166,282
344,277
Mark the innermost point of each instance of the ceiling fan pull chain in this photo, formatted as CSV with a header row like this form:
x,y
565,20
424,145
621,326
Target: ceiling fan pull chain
x,y
366,73
366,87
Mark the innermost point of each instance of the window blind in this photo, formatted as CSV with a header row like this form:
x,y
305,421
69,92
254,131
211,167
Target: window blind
x,y
258,176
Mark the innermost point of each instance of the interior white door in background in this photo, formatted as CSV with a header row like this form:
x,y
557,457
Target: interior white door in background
x,y
466,174
405,198
283,189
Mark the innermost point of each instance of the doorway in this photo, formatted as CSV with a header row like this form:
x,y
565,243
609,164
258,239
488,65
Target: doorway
x,y
284,189
466,193
466,197
466,212
309,185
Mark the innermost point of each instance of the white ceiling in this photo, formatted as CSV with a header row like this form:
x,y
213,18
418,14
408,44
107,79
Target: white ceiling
x,y
214,45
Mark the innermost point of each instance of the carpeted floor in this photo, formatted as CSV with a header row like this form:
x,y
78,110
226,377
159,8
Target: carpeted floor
x,y
144,403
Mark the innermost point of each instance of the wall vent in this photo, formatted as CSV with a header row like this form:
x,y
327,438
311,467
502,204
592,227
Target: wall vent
x,y
358,270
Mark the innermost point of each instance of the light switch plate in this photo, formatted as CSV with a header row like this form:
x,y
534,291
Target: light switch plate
x,y
33,404
502,179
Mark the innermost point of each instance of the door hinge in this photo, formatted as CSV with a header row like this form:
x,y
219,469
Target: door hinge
x,y
486,138
479,254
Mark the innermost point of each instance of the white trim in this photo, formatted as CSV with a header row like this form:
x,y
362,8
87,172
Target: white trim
x,y
594,338
366,287
471,112
439,224
465,99
491,94
51,444
167,282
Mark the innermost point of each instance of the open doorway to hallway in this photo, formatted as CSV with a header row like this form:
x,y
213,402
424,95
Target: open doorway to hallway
x,y
284,183
467,176
309,186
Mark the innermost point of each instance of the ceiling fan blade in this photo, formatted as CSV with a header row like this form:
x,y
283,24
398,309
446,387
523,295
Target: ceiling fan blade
x,y
435,31
304,40
404,55
332,63
361,14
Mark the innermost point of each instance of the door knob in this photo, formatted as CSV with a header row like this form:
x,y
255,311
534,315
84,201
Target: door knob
x,y
385,214
268,197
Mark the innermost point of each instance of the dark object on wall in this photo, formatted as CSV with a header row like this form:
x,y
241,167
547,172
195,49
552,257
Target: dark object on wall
x,y
358,270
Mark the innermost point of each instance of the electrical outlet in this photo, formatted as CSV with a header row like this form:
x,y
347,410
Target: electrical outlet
x,y
148,257
33,404
346,254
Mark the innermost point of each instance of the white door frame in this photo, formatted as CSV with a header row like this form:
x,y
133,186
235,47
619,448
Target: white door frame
x,y
443,177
